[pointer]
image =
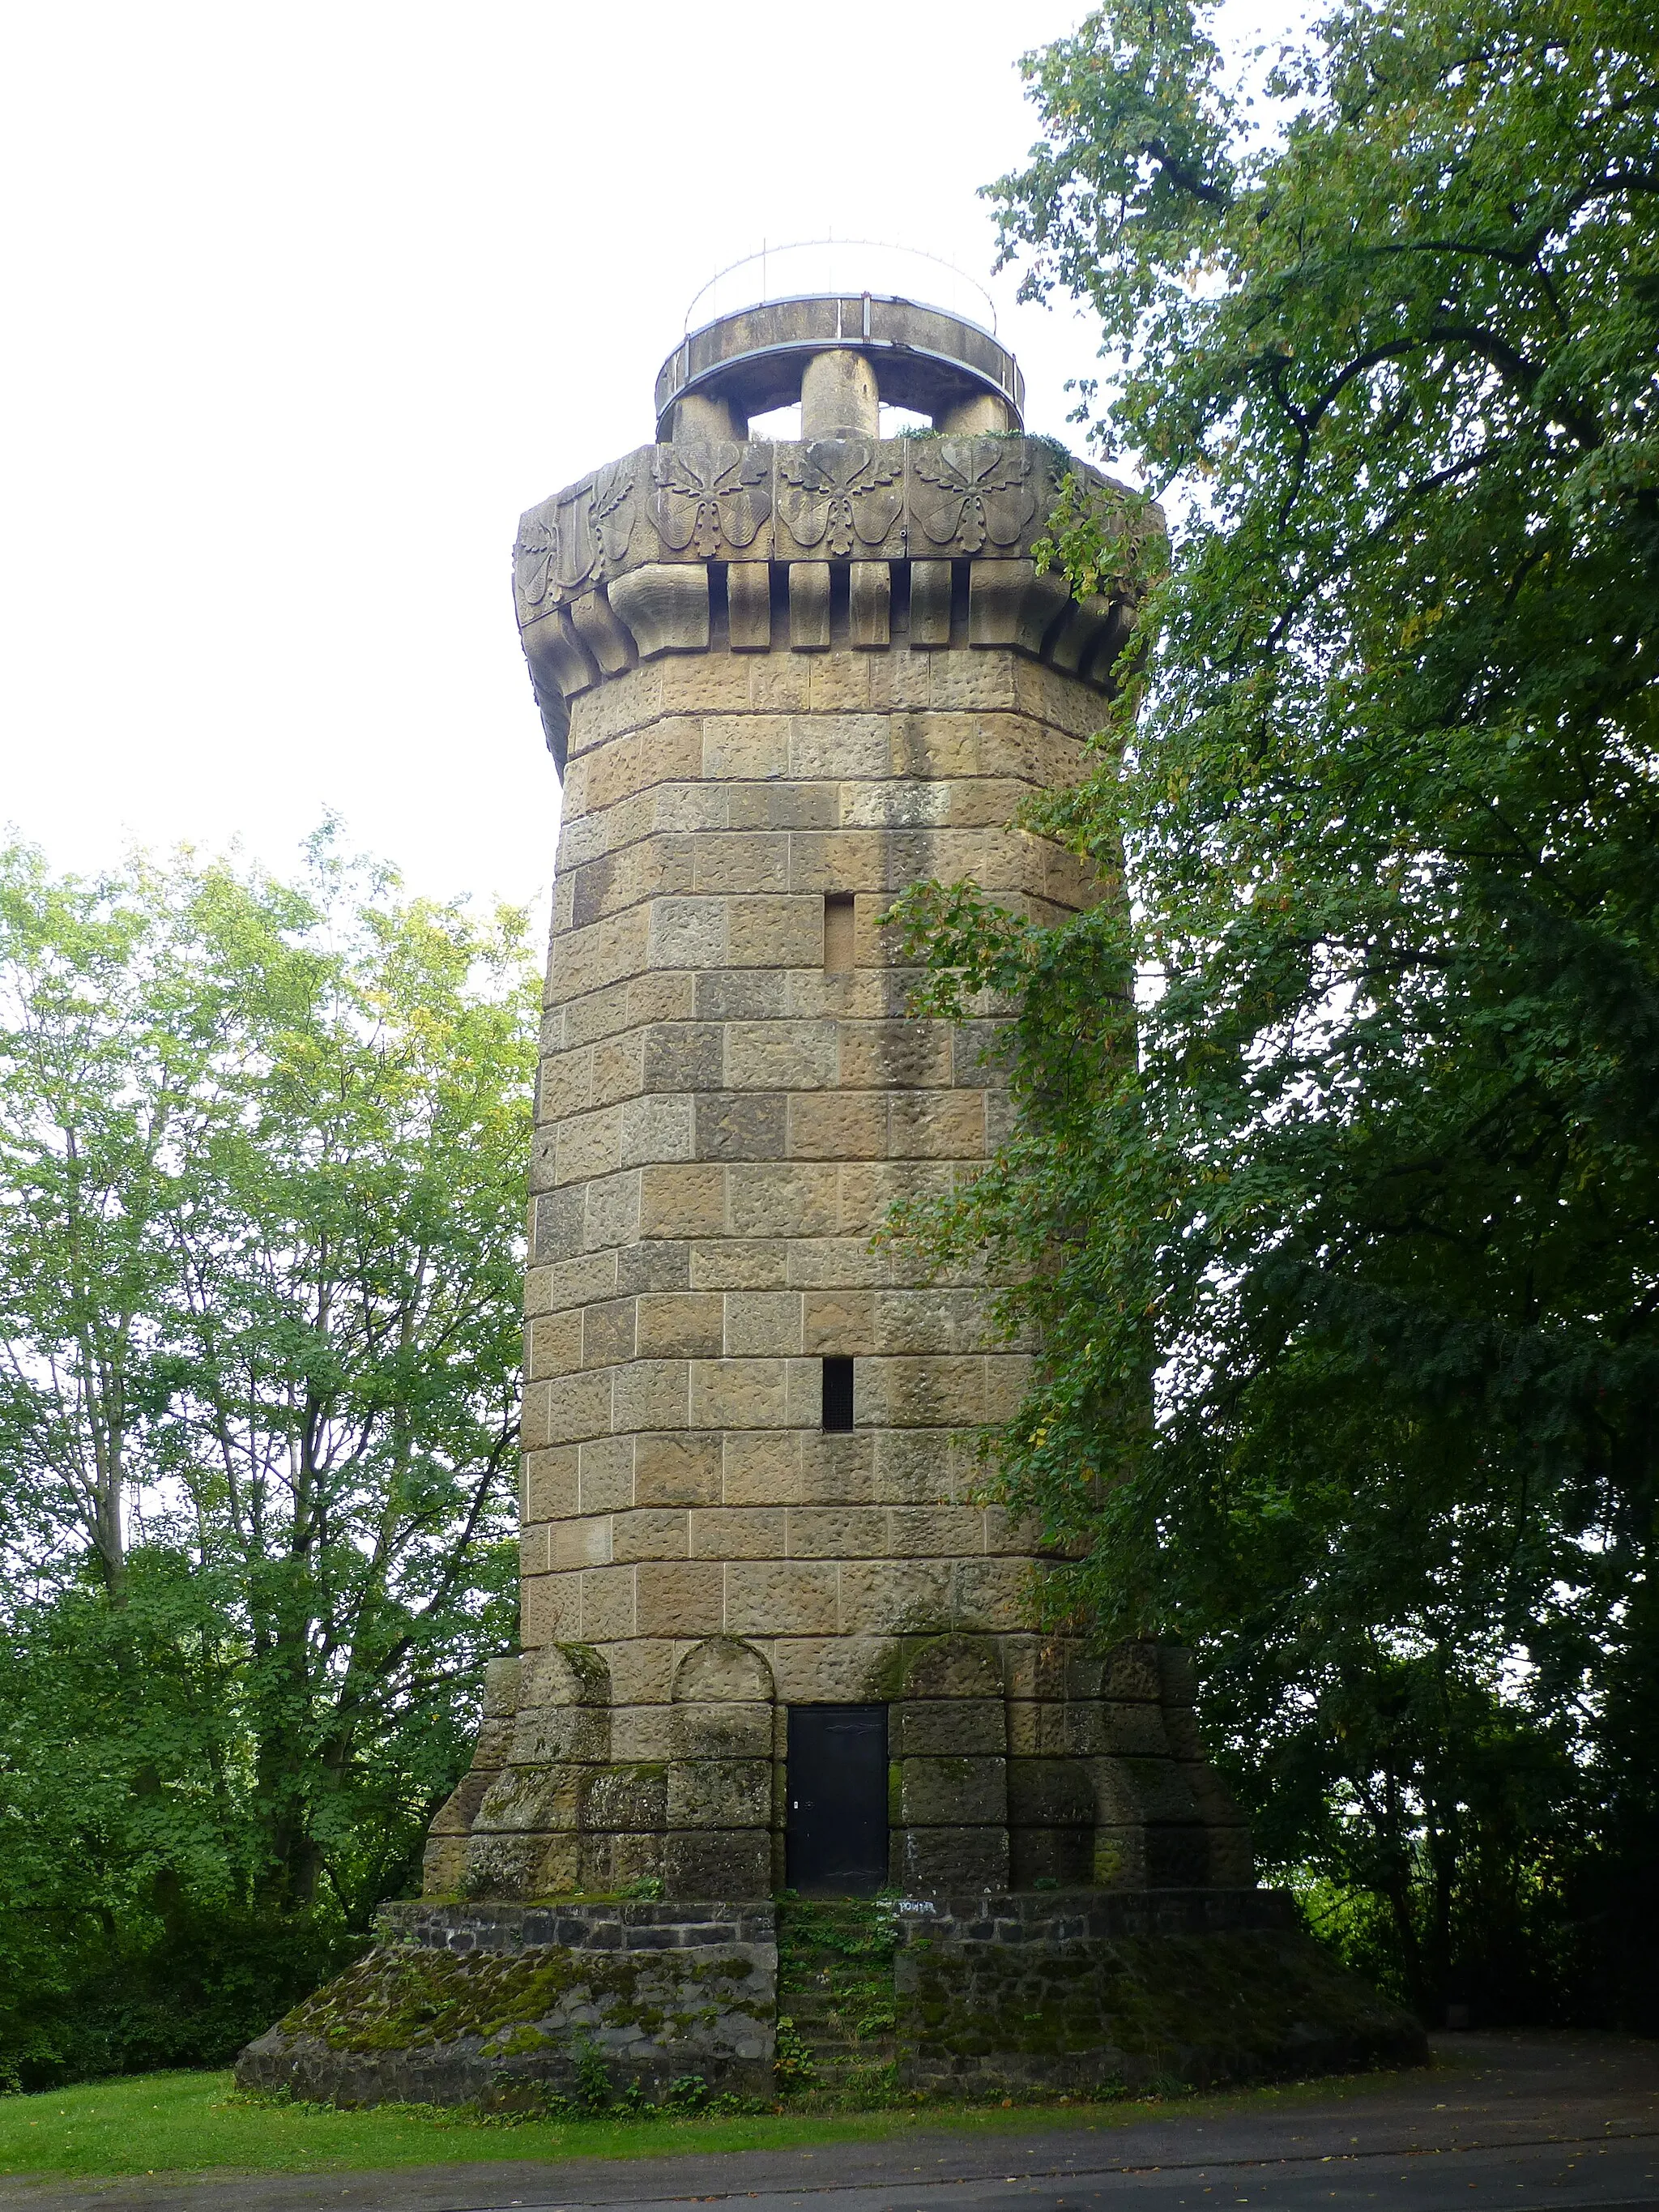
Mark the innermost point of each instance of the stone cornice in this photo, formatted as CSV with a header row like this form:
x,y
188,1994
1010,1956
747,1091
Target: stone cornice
x,y
739,546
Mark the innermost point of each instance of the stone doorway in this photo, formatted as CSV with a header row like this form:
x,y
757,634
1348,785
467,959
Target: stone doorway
x,y
835,1840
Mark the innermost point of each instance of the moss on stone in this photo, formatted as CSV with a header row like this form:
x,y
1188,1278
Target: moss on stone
x,y
835,1975
404,1997
1238,2004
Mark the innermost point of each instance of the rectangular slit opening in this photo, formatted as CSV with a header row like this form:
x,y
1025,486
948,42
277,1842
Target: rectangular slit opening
x,y
837,1391
720,621
837,932
841,618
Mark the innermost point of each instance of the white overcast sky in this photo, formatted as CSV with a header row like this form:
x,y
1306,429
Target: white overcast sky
x,y
305,303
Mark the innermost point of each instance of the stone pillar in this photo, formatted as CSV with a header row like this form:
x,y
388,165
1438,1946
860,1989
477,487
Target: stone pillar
x,y
838,397
950,1742
782,681
722,1772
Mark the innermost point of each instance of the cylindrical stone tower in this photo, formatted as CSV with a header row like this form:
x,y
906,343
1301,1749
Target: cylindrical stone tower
x,y
770,1634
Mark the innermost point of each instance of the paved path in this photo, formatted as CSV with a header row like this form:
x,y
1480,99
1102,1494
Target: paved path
x,y
1519,2121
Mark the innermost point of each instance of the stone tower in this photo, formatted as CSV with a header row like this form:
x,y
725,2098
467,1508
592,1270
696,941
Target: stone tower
x,y
769,1633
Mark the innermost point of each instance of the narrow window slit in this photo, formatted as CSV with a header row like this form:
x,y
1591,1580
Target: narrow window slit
x,y
837,1391
837,932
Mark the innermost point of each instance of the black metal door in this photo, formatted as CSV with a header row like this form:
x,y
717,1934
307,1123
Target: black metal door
x,y
837,1776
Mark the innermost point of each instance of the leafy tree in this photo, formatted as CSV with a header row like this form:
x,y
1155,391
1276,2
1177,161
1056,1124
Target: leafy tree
x,y
262,1159
1343,1124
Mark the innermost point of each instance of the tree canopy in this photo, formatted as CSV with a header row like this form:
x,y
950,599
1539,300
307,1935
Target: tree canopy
x,y
1334,1188
263,1150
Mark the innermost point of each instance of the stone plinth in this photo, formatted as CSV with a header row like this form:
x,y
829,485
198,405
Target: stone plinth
x,y
1081,1992
1073,1993
510,2004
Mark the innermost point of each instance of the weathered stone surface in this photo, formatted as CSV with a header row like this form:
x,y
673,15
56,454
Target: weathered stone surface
x,y
990,1993
497,2005
736,1862
790,680
665,609
953,1792
929,1861
1075,1990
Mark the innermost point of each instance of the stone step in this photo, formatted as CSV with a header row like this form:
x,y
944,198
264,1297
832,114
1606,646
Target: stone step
x,y
835,1986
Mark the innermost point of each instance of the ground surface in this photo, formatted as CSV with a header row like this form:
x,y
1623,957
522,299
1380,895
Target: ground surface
x,y
1520,2121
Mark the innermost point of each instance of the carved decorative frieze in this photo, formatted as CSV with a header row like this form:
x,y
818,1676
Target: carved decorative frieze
x,y
576,538
841,497
713,501
966,493
836,499
535,555
615,569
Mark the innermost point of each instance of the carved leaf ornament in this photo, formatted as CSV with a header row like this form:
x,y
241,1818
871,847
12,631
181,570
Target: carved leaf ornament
x,y
611,517
708,495
837,494
970,489
584,537
534,555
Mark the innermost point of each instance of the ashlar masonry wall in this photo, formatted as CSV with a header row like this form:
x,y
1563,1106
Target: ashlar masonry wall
x,y
786,681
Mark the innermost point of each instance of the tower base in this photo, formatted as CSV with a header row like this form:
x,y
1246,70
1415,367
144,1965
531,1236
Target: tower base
x,y
1085,1992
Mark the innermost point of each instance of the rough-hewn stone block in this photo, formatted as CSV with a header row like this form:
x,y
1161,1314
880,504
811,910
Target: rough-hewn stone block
x,y
955,1728
718,1862
960,1790
677,1470
779,1598
927,1861
740,1127
678,1600
763,1323
689,1324
705,1792
737,1532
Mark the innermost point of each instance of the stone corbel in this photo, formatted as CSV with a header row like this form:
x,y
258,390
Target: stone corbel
x,y
749,605
1010,604
1119,616
809,606
607,642
556,724
559,661
930,603
665,605
1073,645
869,595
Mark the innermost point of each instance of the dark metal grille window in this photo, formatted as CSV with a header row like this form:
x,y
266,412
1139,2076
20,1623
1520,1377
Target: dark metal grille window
x,y
837,1393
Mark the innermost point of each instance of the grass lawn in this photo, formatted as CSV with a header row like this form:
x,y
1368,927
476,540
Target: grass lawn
x,y
185,2123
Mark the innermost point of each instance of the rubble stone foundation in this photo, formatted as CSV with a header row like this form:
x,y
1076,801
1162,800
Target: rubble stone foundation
x,y
1084,1992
